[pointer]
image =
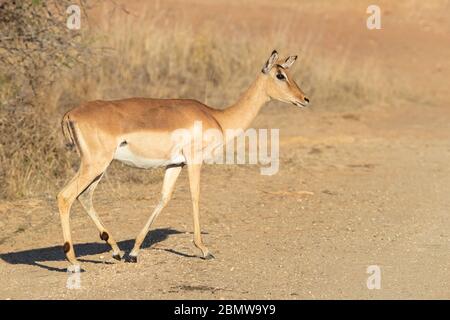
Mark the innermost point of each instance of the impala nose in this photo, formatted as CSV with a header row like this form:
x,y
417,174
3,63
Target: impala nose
x,y
306,99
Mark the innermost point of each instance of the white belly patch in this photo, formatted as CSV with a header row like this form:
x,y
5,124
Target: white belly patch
x,y
124,154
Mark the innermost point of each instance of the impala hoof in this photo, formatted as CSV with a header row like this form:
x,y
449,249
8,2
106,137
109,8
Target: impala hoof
x,y
117,257
209,256
131,259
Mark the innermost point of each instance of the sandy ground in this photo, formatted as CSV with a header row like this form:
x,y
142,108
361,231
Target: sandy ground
x,y
380,197
377,182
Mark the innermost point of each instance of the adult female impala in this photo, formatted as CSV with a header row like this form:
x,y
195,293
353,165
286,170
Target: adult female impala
x,y
137,131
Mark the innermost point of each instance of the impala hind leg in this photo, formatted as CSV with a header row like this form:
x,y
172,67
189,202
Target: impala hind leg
x,y
170,177
85,200
194,183
82,180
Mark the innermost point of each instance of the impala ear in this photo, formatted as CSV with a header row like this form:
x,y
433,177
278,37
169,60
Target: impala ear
x,y
289,62
269,64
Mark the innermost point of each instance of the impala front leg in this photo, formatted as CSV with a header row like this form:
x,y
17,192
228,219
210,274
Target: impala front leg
x,y
194,182
170,177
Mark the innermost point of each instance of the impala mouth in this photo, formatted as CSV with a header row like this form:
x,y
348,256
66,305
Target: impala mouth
x,y
300,104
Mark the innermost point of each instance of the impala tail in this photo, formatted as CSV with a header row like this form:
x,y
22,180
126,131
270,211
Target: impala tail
x,y
69,132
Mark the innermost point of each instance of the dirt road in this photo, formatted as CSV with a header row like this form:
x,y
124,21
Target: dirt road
x,y
354,189
378,184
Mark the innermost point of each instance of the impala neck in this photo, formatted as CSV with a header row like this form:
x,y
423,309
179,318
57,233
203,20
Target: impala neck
x,y
241,114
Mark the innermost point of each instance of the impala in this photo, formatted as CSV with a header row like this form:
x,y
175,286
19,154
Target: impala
x,y
137,131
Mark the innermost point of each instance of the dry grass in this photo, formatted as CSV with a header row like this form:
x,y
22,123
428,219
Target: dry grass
x,y
150,55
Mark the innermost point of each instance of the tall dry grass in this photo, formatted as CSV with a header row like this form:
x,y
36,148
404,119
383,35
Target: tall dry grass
x,y
151,55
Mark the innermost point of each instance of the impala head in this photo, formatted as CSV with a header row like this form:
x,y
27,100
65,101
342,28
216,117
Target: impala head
x,y
279,83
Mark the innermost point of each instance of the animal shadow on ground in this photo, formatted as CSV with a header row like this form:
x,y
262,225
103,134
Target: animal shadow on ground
x,y
35,257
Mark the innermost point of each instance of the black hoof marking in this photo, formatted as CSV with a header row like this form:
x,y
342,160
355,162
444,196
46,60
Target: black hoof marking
x,y
209,256
104,236
131,259
66,247
117,257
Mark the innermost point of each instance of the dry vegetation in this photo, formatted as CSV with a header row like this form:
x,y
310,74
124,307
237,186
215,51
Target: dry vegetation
x,y
147,54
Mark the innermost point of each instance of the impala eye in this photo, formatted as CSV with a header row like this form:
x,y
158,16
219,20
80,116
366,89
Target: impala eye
x,y
280,76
